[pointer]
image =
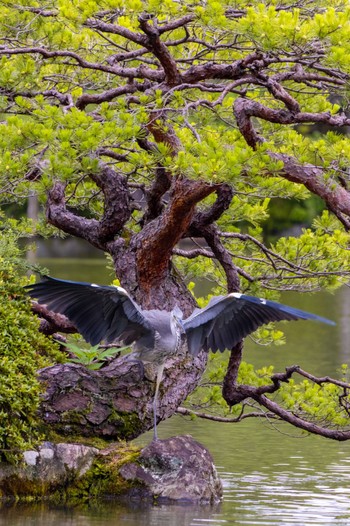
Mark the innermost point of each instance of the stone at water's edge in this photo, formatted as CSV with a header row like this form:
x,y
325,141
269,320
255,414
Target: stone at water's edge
x,y
176,469
45,470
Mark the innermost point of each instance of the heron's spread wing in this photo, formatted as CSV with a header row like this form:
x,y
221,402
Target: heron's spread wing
x,y
98,312
228,319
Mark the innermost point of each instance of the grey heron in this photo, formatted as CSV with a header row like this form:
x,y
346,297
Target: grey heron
x,y
109,313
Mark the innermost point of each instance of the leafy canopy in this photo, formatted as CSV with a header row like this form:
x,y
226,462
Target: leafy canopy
x,y
63,76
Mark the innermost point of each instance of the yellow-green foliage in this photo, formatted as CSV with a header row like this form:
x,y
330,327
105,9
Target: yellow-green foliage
x,y
208,395
23,350
318,403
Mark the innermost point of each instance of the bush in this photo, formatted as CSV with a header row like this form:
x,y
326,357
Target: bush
x,y
23,350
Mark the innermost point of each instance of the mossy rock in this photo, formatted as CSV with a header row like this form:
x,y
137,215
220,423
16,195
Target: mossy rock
x,y
103,479
67,473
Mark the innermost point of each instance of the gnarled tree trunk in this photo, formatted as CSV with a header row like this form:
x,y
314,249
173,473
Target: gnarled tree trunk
x,y
115,402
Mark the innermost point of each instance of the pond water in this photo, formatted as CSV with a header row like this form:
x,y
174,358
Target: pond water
x,y
272,473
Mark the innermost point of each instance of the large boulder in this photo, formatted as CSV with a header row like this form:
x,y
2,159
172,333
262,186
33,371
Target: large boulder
x,y
176,469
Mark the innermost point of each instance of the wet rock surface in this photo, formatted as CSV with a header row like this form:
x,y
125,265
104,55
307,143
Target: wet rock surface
x,y
177,469
45,470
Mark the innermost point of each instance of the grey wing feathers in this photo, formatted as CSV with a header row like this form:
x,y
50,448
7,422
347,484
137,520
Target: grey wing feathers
x,y
228,319
98,312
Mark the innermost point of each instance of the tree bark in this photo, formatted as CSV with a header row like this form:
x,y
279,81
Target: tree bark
x,y
115,402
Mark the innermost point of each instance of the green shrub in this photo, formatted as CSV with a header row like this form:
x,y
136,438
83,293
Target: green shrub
x,y
23,350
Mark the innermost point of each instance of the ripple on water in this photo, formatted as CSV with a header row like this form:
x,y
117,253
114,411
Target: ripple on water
x,y
298,497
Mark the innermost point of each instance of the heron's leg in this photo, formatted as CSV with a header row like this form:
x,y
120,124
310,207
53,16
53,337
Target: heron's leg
x,y
158,381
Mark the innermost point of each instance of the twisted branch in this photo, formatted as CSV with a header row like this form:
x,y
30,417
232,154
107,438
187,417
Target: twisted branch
x,y
334,195
117,209
184,411
52,322
235,393
160,50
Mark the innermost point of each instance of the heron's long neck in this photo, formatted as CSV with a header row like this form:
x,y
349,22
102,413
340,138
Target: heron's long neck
x,y
176,331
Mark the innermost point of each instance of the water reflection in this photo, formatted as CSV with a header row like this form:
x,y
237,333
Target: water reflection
x,y
344,325
271,476
105,514
301,496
